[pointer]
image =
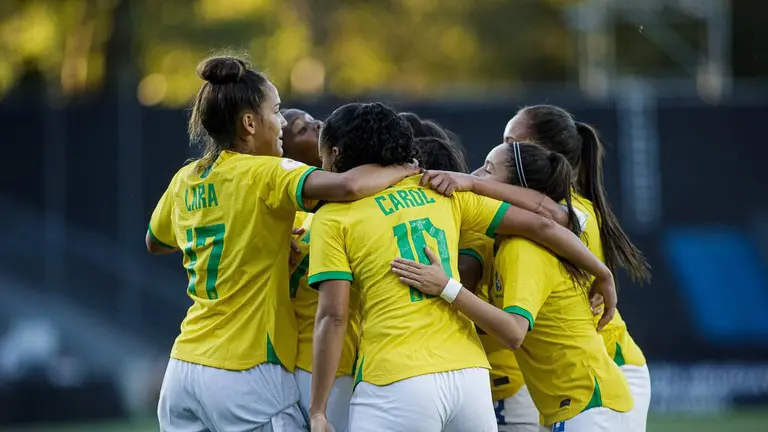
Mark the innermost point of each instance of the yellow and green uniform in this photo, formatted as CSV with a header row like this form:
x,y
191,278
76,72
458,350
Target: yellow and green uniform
x,y
305,306
233,223
404,333
506,378
620,345
563,359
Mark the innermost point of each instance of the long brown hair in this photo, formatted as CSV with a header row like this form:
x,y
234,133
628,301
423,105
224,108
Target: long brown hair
x,y
555,128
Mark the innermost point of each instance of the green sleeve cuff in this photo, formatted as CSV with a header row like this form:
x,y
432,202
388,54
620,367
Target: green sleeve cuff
x,y
491,231
517,310
157,240
318,278
300,188
473,253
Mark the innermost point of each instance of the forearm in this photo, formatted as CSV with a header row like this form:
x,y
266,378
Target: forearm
x,y
524,198
369,179
327,345
352,185
488,317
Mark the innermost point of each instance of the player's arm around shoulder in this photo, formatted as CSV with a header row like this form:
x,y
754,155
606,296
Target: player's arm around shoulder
x,y
357,183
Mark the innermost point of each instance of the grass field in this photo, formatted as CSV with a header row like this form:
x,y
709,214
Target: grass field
x,y
749,421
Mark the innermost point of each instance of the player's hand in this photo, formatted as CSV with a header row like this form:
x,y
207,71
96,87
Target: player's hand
x,y
293,258
429,279
318,423
596,303
447,182
411,168
606,287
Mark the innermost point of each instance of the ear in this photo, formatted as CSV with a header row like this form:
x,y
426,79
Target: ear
x,y
335,152
248,121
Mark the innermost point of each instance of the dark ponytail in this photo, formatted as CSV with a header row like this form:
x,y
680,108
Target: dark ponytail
x,y
550,173
560,184
617,247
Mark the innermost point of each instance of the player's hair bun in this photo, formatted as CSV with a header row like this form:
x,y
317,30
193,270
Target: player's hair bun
x,y
222,69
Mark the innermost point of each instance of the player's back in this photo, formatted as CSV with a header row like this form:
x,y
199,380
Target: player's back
x,y
404,333
233,223
562,358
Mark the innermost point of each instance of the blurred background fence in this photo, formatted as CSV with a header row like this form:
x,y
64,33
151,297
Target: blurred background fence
x,y
93,127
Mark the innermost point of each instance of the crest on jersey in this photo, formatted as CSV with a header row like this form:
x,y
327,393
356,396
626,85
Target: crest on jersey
x,y
498,283
289,164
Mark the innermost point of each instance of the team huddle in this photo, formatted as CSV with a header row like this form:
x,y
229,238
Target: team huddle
x,y
351,275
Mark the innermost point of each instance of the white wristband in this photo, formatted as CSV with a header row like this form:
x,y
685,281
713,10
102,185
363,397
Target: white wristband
x,y
451,290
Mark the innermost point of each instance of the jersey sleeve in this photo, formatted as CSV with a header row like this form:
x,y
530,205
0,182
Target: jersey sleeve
x,y
523,270
288,184
327,251
161,223
480,214
475,245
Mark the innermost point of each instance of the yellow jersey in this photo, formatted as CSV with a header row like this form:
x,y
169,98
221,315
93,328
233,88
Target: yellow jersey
x,y
233,223
305,306
620,345
563,359
404,332
506,377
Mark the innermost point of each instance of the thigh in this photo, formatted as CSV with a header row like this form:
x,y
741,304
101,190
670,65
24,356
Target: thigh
x,y
592,420
178,410
639,380
304,384
338,404
473,410
518,413
410,405
246,400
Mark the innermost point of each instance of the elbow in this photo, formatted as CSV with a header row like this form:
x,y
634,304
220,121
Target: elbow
x,y
513,341
350,189
545,225
331,317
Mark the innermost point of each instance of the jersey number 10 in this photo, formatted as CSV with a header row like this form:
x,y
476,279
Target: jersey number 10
x,y
418,228
196,239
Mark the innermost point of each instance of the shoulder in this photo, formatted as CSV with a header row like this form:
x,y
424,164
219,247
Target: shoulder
x,y
517,249
584,205
336,212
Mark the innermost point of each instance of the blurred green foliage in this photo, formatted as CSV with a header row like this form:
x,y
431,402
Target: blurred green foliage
x,y
412,47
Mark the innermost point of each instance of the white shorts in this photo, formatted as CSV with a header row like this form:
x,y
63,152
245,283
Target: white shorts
x,y
337,410
201,398
639,380
455,401
591,420
517,413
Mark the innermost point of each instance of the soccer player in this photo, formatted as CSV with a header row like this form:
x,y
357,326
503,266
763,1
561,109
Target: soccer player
x,y
540,308
555,129
515,410
230,212
300,137
420,364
